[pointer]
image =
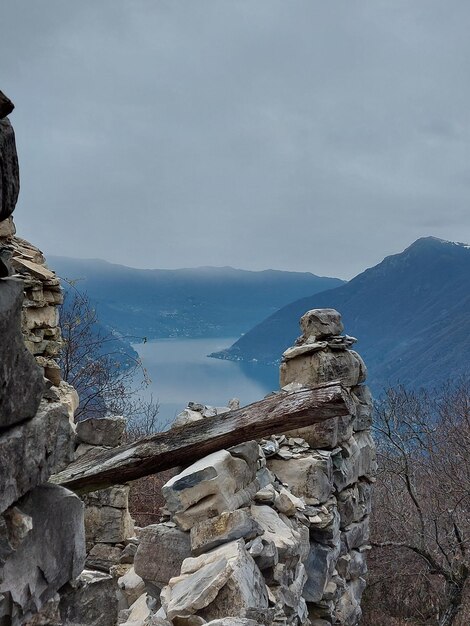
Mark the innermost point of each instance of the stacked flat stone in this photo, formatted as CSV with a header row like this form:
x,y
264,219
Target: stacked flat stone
x,y
109,583
331,466
42,543
232,548
43,295
275,531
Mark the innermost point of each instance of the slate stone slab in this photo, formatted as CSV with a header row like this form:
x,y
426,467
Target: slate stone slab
x,y
50,555
21,380
30,452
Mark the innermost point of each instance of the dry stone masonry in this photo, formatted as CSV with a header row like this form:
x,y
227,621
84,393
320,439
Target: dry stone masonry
x,y
39,551
274,531
267,532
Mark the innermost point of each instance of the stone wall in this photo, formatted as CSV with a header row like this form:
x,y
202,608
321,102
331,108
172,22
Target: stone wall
x,y
42,296
42,542
272,531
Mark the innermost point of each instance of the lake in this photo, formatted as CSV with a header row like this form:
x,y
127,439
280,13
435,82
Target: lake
x,y
180,372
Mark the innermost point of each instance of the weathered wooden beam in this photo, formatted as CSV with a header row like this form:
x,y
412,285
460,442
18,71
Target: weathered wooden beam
x,y
181,446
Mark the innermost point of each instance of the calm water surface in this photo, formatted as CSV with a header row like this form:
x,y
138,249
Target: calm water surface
x,y
180,372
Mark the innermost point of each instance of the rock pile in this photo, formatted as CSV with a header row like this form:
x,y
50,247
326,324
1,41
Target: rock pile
x,y
39,552
233,544
275,531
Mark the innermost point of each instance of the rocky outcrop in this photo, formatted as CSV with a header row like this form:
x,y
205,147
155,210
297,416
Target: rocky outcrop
x,y
42,540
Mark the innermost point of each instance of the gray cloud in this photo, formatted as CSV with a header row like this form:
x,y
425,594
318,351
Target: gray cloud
x,y
302,135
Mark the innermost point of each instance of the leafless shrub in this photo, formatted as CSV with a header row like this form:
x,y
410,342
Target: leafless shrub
x,y
421,528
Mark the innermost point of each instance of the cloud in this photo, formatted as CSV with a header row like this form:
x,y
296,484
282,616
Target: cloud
x,y
303,135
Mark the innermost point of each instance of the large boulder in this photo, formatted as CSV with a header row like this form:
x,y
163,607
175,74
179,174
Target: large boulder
x,y
321,323
287,541
320,566
224,528
104,431
309,477
31,451
224,582
103,556
354,502
207,488
348,609
21,380
107,518
90,600
362,398
323,366
162,549
327,434
49,555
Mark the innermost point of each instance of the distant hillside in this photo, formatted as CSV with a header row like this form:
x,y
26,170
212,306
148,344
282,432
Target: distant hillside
x,y
197,302
411,314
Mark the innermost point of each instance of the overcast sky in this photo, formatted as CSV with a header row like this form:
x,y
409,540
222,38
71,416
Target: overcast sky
x,y
307,135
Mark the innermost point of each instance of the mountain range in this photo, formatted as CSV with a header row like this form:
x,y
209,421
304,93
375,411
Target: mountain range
x,y
410,313
194,302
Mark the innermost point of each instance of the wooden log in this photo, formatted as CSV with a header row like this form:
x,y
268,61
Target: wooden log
x,y
99,469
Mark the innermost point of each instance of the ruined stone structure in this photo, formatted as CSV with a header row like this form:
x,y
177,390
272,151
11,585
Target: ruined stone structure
x,y
42,542
275,531
268,531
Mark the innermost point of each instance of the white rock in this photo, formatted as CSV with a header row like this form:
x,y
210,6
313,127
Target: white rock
x,y
138,612
309,477
207,488
224,528
104,431
225,581
285,502
286,540
187,417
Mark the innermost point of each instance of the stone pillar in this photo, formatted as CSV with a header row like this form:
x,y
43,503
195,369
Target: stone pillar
x,y
335,474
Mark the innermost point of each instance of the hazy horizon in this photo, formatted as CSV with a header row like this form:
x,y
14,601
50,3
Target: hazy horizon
x,y
262,269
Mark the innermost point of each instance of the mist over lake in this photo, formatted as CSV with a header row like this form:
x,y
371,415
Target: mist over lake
x,y
180,371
